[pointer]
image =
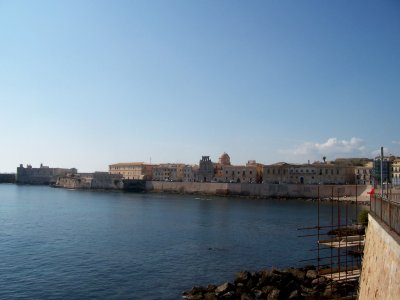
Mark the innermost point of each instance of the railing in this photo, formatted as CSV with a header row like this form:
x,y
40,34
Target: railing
x,y
387,210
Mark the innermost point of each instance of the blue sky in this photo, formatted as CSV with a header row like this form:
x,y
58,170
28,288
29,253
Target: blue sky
x,y
88,83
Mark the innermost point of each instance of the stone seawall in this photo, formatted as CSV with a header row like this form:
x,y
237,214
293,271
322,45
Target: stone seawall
x,y
263,190
380,276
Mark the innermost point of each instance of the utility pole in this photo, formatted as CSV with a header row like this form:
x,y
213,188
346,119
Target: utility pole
x,y
382,172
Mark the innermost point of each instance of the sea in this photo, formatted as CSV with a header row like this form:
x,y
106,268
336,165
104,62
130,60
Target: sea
x,y
74,244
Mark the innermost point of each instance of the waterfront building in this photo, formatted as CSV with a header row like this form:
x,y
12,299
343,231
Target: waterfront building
x,y
237,174
364,174
224,171
315,173
169,172
43,175
386,169
96,180
206,170
396,171
190,173
7,177
133,170
224,159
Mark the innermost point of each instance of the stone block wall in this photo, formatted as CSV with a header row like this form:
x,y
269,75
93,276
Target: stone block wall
x,y
380,276
262,190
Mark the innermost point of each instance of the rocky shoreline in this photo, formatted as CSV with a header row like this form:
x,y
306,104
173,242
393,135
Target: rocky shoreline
x,y
275,284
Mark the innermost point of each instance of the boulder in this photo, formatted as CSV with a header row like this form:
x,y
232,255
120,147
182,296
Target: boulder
x,y
242,277
224,288
298,274
274,294
229,295
195,293
246,296
311,274
294,295
210,296
319,281
264,278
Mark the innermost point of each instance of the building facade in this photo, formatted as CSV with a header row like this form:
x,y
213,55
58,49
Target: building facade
x,y
43,175
364,174
315,173
133,170
96,180
206,170
386,169
396,171
224,171
190,173
169,172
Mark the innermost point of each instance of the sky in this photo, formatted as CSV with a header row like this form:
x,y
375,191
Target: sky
x,y
86,84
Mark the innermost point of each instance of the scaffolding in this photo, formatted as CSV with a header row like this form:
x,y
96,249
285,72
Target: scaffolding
x,y
339,245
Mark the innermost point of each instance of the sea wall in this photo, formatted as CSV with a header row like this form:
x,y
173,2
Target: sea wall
x,y
7,178
263,190
380,276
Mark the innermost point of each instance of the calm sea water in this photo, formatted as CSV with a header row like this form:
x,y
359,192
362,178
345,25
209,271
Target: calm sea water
x,y
66,244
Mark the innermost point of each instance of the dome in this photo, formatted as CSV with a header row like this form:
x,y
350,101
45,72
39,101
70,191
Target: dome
x,y
224,159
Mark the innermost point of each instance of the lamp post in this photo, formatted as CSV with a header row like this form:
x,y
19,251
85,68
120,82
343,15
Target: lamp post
x,y
382,172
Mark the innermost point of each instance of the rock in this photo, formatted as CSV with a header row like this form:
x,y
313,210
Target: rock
x,y
265,277
291,285
241,289
306,290
257,293
229,295
224,288
211,288
318,281
329,291
210,296
274,294
298,274
194,296
311,274
246,296
195,293
268,289
294,295
242,277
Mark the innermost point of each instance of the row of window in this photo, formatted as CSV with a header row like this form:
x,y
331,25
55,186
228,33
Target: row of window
x,y
278,171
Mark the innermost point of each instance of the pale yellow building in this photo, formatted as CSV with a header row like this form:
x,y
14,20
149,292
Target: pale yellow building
x,y
169,172
315,173
396,171
225,172
133,170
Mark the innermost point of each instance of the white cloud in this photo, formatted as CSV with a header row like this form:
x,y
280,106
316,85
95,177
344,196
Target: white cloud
x,y
332,147
396,142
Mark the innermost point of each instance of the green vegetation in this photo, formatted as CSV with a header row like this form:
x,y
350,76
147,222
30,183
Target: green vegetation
x,y
363,217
